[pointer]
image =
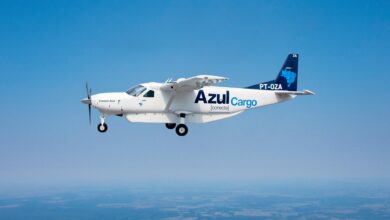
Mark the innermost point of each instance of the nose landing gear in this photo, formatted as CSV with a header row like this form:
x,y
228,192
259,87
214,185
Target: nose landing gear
x,y
102,127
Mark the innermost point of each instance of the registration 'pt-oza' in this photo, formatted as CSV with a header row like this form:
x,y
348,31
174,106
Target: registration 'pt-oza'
x,y
194,100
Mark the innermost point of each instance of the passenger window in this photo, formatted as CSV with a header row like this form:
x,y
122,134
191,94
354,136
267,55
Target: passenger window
x,y
149,94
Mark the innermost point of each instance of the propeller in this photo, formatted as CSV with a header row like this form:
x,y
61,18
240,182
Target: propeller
x,y
88,100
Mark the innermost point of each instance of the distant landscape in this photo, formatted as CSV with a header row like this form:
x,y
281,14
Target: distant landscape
x,y
211,202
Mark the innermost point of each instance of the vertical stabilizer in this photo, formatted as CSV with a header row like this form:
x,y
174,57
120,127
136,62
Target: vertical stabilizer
x,y
287,78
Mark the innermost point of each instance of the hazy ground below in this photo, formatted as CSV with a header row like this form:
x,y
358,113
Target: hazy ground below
x,y
199,201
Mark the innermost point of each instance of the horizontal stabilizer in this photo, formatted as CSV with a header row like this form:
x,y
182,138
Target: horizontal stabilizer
x,y
304,92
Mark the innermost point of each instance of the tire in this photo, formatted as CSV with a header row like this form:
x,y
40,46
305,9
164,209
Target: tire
x,y
102,127
181,130
170,125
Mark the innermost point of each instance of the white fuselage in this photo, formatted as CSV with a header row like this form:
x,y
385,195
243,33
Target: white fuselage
x,y
207,104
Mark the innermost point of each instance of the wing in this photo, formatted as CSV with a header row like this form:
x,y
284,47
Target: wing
x,y
189,84
193,83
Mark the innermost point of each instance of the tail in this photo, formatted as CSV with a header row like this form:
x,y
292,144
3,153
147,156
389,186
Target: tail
x,y
287,78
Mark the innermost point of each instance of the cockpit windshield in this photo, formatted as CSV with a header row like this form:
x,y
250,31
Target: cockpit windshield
x,y
136,90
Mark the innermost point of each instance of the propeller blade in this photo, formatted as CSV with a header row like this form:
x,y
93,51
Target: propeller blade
x,y
88,90
88,101
89,113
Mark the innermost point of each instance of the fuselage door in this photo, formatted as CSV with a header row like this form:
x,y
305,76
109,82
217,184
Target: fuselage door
x,y
146,101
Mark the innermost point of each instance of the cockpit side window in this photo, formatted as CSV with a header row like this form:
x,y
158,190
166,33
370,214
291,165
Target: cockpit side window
x,y
149,94
136,91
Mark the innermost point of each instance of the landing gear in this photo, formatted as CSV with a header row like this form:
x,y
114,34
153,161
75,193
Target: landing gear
x,y
170,125
181,130
102,127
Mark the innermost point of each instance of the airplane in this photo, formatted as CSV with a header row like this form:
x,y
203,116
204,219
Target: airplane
x,y
193,100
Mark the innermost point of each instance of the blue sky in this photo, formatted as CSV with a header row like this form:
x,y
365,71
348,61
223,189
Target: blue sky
x,y
48,49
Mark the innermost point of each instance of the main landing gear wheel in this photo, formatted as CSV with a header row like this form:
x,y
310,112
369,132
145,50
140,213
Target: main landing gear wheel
x,y
102,127
170,125
181,130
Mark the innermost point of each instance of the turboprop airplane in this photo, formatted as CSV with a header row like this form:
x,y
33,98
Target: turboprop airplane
x,y
194,100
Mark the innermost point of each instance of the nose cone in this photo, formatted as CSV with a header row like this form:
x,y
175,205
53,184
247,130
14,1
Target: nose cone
x,y
86,101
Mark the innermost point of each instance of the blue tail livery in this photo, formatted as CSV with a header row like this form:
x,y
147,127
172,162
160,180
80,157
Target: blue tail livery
x,y
287,78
